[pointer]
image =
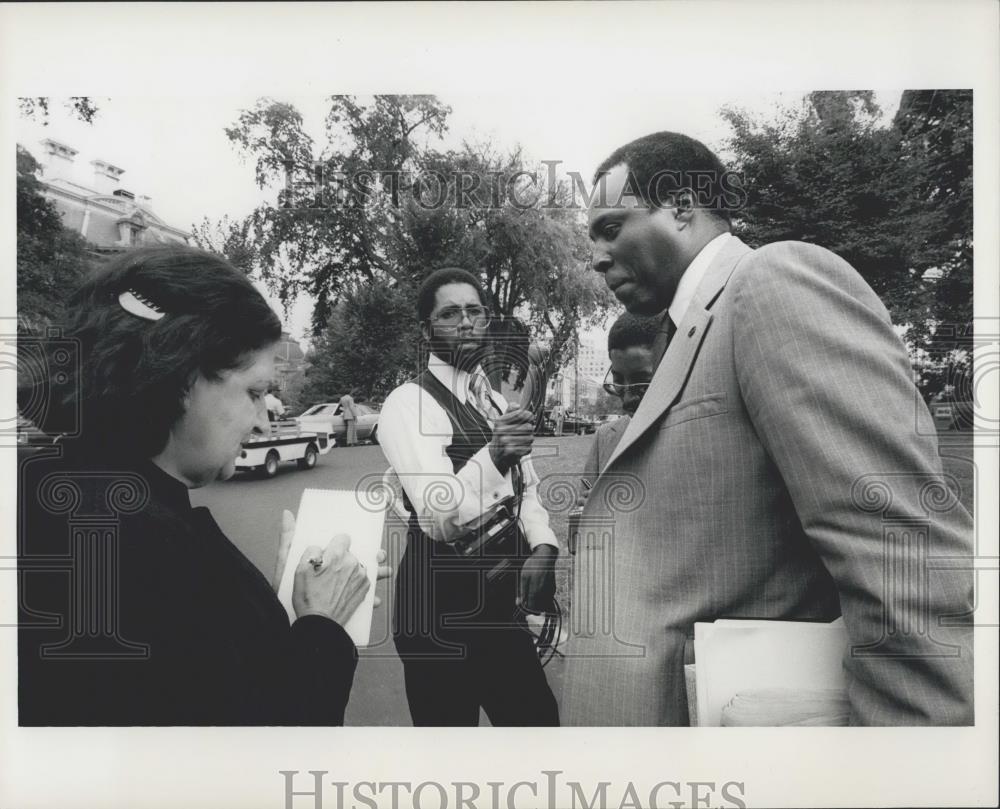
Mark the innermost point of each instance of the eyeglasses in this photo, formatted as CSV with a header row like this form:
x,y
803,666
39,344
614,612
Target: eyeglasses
x,y
479,316
621,391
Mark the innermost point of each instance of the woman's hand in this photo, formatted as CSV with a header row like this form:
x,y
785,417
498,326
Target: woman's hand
x,y
285,543
330,582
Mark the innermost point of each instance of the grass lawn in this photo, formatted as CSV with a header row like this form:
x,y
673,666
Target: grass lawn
x,y
562,457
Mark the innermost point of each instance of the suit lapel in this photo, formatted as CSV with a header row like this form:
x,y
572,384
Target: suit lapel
x,y
674,368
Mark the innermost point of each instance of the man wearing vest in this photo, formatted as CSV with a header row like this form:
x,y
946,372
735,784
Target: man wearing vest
x,y
454,447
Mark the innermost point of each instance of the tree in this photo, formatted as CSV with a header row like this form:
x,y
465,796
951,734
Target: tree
x,y
935,128
37,107
50,258
378,205
820,174
529,245
331,227
228,239
893,200
367,344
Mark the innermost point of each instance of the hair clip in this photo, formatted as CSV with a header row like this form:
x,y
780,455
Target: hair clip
x,y
135,304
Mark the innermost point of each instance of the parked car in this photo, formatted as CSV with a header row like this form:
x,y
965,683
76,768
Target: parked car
x,y
575,424
287,441
952,415
326,417
572,424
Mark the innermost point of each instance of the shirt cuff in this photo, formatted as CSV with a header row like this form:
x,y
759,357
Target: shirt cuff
x,y
494,487
540,537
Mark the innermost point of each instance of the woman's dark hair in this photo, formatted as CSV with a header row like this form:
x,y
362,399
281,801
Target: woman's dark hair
x,y
133,372
633,330
437,279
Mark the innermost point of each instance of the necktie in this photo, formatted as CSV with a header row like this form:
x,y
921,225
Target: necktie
x,y
663,338
479,395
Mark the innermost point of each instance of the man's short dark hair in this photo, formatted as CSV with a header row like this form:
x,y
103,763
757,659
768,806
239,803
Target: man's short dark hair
x,y
669,161
633,330
437,279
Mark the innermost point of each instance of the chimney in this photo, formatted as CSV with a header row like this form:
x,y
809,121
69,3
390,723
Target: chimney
x,y
58,158
106,176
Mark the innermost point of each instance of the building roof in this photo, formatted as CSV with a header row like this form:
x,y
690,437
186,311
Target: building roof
x,y
289,350
96,215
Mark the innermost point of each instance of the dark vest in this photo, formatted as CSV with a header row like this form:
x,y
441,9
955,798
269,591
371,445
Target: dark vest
x,y
432,579
469,430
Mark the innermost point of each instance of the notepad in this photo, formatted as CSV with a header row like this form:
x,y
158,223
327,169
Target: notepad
x,y
322,514
733,656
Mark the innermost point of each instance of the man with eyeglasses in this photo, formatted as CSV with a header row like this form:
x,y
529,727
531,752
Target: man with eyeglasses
x,y
633,363
456,449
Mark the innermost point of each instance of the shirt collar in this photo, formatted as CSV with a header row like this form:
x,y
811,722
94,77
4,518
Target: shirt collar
x,y
691,279
454,379
165,487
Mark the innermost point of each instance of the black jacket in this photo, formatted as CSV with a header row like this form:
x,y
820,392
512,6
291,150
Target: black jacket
x,y
135,609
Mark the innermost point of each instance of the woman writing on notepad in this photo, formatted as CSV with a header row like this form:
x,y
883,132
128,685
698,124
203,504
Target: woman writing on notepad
x,y
135,609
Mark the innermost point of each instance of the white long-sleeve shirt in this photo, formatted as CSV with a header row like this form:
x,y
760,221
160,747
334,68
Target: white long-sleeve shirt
x,y
272,402
414,432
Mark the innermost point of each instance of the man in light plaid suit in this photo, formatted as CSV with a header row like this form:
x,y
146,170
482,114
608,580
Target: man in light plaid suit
x,y
782,465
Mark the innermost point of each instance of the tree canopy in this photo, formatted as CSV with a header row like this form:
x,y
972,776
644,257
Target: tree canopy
x,y
360,220
37,107
51,259
892,198
367,344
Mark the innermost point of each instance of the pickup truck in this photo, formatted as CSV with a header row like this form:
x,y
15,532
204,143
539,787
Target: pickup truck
x,y
286,442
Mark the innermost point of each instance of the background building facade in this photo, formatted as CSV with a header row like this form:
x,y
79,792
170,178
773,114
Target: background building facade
x,y
93,202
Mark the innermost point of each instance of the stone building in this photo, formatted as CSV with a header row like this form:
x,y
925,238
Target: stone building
x,y
289,361
580,378
93,202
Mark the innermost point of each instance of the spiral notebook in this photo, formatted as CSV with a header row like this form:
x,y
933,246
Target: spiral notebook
x,y
322,514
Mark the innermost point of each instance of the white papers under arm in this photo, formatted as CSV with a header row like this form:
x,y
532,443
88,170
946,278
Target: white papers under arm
x,y
734,656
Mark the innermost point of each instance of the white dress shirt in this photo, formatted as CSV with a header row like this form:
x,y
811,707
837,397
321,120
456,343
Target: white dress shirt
x,y
414,432
691,279
272,402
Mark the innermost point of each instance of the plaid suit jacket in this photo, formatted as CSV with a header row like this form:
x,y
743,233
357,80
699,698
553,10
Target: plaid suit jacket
x,y
782,465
